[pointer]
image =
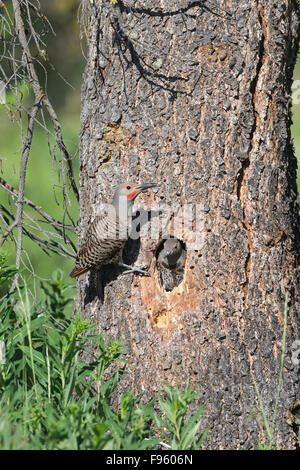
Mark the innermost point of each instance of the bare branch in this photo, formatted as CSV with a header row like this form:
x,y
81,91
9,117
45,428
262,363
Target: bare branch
x,y
45,245
21,65
23,167
38,92
55,223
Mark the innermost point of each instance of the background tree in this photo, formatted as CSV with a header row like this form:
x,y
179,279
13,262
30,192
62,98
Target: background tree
x,y
196,95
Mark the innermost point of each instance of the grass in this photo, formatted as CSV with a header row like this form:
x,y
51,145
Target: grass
x,y
51,399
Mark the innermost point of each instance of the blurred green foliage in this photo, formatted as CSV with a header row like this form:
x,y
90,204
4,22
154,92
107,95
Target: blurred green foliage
x,y
51,399
63,76
40,181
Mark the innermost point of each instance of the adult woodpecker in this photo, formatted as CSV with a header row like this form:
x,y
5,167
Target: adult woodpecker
x,y
108,233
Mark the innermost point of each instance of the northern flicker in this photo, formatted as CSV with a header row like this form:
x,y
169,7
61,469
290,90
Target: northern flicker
x,y
171,263
107,234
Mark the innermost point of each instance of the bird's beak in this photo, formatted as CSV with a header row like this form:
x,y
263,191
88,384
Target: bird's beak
x,y
144,186
166,254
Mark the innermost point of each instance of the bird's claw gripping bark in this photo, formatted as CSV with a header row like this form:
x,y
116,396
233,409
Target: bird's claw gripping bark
x,y
134,269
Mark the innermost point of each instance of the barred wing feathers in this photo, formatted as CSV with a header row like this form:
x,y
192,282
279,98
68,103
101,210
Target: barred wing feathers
x,y
100,243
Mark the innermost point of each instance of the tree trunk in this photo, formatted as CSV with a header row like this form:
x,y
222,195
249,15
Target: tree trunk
x,y
196,96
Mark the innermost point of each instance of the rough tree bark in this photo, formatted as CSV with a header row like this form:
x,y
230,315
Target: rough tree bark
x,y
196,95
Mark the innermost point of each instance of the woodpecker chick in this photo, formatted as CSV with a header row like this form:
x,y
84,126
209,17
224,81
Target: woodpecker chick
x,y
171,255
107,234
171,263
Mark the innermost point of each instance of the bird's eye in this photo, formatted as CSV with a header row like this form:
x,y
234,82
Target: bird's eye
x,y
128,187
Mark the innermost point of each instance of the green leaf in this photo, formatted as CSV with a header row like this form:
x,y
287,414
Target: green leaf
x,y
22,332
109,386
202,437
37,356
192,422
68,390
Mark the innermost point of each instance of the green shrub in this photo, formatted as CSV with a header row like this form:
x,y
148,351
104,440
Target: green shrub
x,y
51,399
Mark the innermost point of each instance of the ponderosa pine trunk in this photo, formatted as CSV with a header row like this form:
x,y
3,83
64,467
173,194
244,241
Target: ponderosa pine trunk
x,y
196,95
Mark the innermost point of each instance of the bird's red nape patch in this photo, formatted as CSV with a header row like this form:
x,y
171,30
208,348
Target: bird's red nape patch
x,y
129,196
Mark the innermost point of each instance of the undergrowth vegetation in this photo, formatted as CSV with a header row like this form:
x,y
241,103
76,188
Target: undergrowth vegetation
x,y
51,399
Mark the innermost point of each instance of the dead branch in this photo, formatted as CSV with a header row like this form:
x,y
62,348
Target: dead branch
x,y
22,176
45,245
21,64
38,91
55,223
